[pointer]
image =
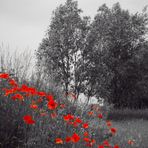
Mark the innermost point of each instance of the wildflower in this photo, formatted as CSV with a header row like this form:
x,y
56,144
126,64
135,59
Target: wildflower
x,y
17,96
85,134
113,130
130,142
108,123
75,124
10,91
68,117
91,142
59,141
24,88
78,120
90,113
75,138
32,91
68,139
86,139
101,146
33,106
41,93
4,75
106,143
85,125
52,105
100,116
49,97
28,119
13,83
116,146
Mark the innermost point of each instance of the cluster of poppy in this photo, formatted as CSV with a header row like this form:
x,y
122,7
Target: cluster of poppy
x,y
70,119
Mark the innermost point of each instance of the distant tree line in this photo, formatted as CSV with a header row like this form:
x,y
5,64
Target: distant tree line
x,y
105,57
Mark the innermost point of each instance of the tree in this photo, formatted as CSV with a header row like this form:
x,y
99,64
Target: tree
x,y
114,38
61,51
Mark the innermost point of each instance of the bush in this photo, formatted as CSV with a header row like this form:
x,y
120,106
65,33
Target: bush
x,y
54,119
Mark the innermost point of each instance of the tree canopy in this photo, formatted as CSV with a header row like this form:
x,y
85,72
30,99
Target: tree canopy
x,y
104,58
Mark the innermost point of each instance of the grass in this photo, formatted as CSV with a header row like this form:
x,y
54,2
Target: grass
x,y
136,130
128,114
131,124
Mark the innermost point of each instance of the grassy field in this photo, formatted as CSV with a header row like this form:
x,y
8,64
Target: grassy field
x,y
131,125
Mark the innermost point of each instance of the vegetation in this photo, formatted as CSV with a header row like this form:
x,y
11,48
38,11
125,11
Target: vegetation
x,y
131,133
104,58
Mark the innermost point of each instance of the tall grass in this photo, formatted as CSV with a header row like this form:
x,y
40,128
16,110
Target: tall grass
x,y
134,129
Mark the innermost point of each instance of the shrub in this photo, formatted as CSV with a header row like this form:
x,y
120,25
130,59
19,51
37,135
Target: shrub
x,y
54,121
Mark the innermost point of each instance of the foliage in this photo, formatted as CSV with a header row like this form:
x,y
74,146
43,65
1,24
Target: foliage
x,y
61,51
115,38
103,58
52,122
131,133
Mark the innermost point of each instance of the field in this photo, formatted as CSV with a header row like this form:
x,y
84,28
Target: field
x,y
132,125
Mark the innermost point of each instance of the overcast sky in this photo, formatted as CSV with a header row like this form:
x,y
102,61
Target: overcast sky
x,y
23,22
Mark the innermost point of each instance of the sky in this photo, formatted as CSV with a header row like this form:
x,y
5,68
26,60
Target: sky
x,y
23,22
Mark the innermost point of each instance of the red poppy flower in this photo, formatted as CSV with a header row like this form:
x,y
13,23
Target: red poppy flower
x,y
68,117
85,125
33,106
113,130
28,119
86,139
90,113
106,143
116,146
52,105
86,134
24,88
100,116
75,138
91,143
130,142
10,91
41,93
17,96
68,139
13,83
32,91
101,146
108,123
78,120
49,97
75,124
4,75
59,141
